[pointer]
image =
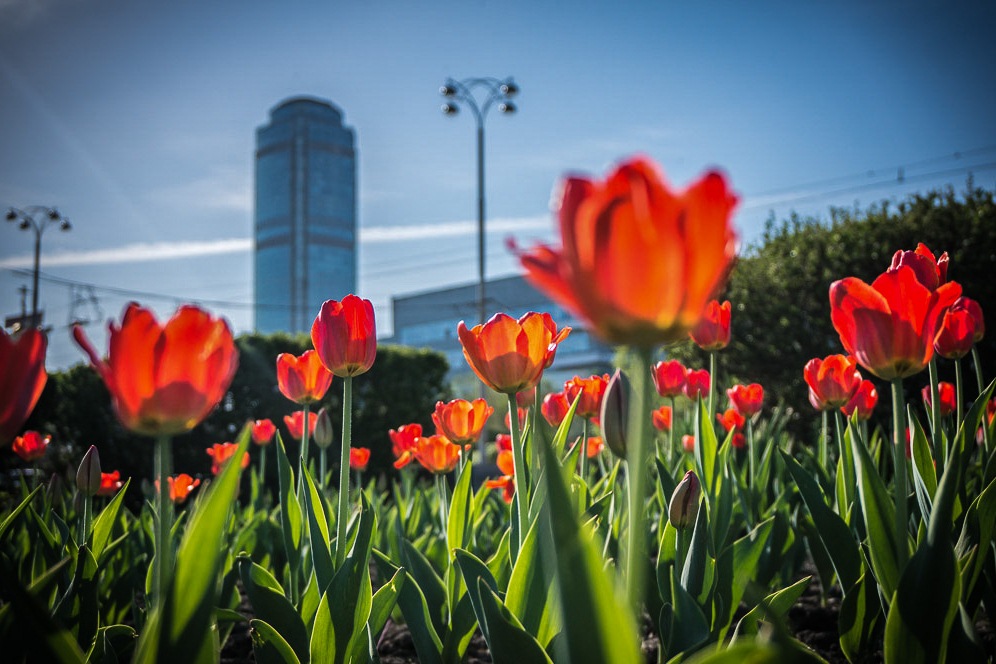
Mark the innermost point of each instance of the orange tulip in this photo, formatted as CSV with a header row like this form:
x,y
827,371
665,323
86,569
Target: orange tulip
x,y
733,421
403,442
595,446
832,381
639,261
345,336
165,379
661,418
109,483
222,452
510,355
591,390
22,378
303,379
890,325
864,401
554,408
460,420
359,457
961,328
295,424
31,446
746,399
713,331
507,480
437,454
181,486
669,378
263,431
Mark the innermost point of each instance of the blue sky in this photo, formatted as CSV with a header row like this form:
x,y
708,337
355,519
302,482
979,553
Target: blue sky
x,y
137,120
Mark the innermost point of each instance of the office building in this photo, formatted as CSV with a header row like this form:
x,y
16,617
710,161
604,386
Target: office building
x,y
305,218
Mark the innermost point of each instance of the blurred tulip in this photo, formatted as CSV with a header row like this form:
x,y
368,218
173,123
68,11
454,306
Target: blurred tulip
x,y
864,401
181,486
688,443
507,480
165,379
832,381
509,355
639,261
554,408
22,378
733,421
746,399
661,418
595,446
526,398
890,325
946,396
684,505
31,446
263,431
345,336
221,453
324,433
295,424
520,413
359,457
591,390
713,331
109,483
302,379
614,420
669,378
697,384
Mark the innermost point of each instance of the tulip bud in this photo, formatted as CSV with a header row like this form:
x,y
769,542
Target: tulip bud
x,y
613,415
323,429
684,505
88,475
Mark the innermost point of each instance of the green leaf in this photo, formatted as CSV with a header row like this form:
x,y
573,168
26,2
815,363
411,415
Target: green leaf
x,y
924,475
291,520
598,625
428,646
531,595
747,552
349,594
271,605
428,583
268,646
473,570
698,565
105,521
834,535
461,512
323,638
321,554
977,532
112,644
510,643
384,600
706,447
859,613
684,626
10,518
775,605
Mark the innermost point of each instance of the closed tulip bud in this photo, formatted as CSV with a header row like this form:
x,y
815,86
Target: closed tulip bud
x,y
614,412
323,429
88,475
684,505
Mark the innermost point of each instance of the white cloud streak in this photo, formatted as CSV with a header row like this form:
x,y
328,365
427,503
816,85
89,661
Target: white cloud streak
x,y
144,251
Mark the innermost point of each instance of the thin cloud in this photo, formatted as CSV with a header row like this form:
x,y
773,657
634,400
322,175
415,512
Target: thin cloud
x,y
157,251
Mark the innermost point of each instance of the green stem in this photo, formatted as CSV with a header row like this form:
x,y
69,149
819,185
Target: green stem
x,y
958,398
262,466
519,470
636,473
164,548
443,506
751,463
304,443
712,386
671,452
822,453
584,450
87,516
343,514
899,461
976,361
935,413
322,468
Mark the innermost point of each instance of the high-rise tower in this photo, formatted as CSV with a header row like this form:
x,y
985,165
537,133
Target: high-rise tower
x,y
305,223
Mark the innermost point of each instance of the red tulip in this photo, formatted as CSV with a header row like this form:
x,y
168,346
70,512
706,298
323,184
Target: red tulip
x,y
345,336
295,424
181,486
22,378
930,271
403,442
460,420
688,443
520,413
554,408
946,394
503,442
526,398
437,454
263,431
832,381
222,452
661,418
595,446
303,380
510,355
697,384
746,399
961,328
713,331
639,261
507,480
165,379
890,325
109,483
359,457
731,420
591,390
864,401
669,378
31,446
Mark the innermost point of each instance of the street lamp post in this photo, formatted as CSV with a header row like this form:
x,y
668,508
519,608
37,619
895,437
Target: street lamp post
x,y
37,218
479,95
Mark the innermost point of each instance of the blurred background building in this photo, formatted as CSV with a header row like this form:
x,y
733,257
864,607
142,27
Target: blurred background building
x,y
305,214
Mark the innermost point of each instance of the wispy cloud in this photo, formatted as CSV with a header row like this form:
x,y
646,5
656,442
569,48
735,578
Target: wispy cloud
x,y
157,251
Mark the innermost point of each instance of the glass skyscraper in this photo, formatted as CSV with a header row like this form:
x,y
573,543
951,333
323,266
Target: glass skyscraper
x,y
305,223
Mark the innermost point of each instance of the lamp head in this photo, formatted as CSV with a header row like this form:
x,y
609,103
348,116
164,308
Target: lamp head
x,y
53,214
509,89
65,225
447,90
449,109
11,215
507,107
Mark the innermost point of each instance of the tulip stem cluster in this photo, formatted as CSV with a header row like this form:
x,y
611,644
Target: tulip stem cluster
x,y
935,414
342,517
584,450
636,473
899,461
519,466
959,384
164,549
